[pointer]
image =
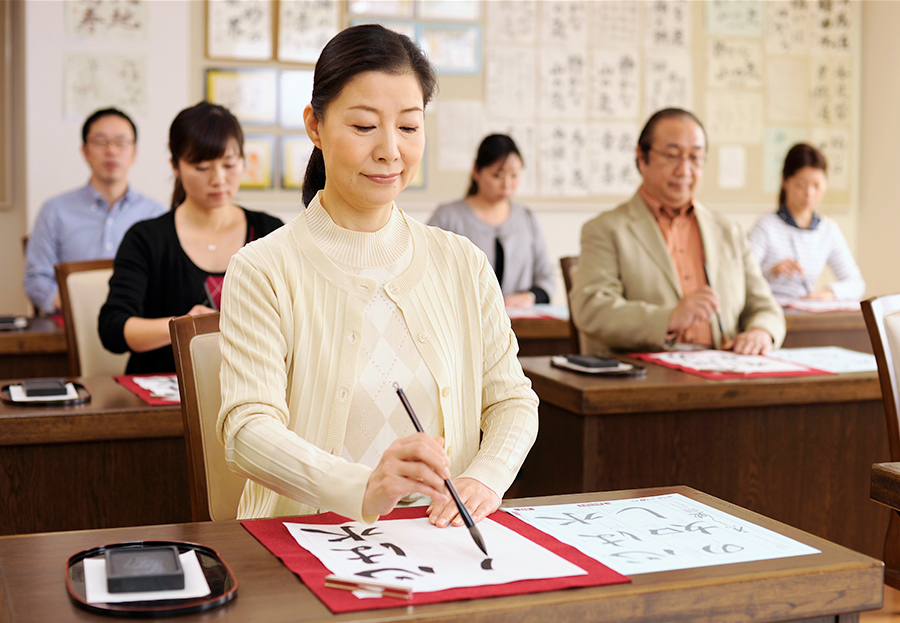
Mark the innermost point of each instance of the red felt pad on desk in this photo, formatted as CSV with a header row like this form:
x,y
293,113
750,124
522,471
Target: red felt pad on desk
x,y
715,375
276,538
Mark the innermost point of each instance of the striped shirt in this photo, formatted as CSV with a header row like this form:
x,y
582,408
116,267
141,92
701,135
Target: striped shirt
x,y
773,241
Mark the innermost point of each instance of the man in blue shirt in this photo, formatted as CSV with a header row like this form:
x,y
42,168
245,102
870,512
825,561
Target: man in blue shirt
x,y
88,223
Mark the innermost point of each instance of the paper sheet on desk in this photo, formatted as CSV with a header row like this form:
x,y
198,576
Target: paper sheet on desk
x,y
726,364
540,311
828,358
814,306
659,533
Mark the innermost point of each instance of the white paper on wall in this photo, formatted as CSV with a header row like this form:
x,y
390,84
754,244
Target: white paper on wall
x,y
611,154
734,117
563,84
734,18
106,19
239,29
511,21
667,81
732,166
93,81
787,27
832,23
564,23
615,23
510,81
461,128
563,158
787,99
734,63
304,27
667,24
615,84
831,90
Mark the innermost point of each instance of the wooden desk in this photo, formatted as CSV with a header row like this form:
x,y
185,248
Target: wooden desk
x,y
114,461
845,329
542,336
38,350
797,449
831,586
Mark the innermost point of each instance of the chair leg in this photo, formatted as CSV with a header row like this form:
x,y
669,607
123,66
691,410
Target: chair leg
x,y
892,552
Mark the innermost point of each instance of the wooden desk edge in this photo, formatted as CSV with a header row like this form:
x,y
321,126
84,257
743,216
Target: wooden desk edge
x,y
885,484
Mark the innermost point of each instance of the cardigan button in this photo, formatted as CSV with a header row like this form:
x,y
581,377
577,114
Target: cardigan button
x,y
352,337
394,288
445,392
423,337
342,395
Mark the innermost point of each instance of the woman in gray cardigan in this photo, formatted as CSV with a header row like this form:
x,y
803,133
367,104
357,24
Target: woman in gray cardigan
x,y
507,232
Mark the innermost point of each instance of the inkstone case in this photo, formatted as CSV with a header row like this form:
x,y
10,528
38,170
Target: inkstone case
x,y
131,570
44,387
593,361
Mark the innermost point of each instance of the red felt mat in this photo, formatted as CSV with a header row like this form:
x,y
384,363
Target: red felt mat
x,y
276,538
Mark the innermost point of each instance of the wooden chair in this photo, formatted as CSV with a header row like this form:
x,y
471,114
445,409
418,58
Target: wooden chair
x,y
215,489
568,263
882,316
83,287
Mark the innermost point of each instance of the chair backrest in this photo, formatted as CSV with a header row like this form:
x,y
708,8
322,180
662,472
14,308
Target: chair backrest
x,y
882,316
568,263
83,288
215,489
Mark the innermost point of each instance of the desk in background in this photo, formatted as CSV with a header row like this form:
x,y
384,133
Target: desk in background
x,y
38,350
797,449
114,461
831,586
542,336
845,329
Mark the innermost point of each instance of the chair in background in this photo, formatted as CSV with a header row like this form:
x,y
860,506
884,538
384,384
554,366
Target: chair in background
x,y
83,288
568,263
882,316
215,489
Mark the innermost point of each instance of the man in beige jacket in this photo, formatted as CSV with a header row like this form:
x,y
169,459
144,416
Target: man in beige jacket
x,y
661,269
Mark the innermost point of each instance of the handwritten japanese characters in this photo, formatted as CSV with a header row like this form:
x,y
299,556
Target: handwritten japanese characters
x,y
660,533
414,552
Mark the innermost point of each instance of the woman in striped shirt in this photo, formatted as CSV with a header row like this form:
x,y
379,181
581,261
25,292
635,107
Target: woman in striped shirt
x,y
794,244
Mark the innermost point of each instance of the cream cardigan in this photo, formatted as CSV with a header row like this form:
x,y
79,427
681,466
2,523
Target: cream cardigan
x,y
290,325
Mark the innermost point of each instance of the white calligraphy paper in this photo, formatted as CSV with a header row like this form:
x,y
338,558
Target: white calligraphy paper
x,y
161,386
734,117
742,18
563,84
239,29
94,81
612,158
564,164
448,10
615,23
787,27
452,49
512,21
427,558
304,27
107,19
659,533
725,361
615,84
461,128
294,95
832,26
510,88
667,82
828,358
564,22
734,64
831,90
787,98
667,24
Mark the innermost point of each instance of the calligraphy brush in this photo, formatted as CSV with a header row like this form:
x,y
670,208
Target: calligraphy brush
x,y
726,343
463,511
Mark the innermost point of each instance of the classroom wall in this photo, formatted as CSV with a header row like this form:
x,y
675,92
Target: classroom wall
x,y
53,162
878,223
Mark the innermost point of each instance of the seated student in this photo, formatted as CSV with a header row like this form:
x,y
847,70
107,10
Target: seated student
x,y
794,244
322,317
507,232
174,264
88,223
663,269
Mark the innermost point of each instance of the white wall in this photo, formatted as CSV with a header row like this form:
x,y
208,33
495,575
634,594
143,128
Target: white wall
x,y
54,163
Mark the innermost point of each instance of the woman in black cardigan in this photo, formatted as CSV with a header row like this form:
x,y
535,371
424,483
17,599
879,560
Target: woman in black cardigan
x,y
174,264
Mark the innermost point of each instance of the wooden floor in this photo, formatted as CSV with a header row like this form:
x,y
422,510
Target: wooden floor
x,y
889,613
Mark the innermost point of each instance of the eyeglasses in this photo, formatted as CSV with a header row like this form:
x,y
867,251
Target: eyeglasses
x,y
102,142
695,161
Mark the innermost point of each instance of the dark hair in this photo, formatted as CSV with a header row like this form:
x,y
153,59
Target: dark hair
x,y
353,51
798,157
201,133
494,148
99,114
645,140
